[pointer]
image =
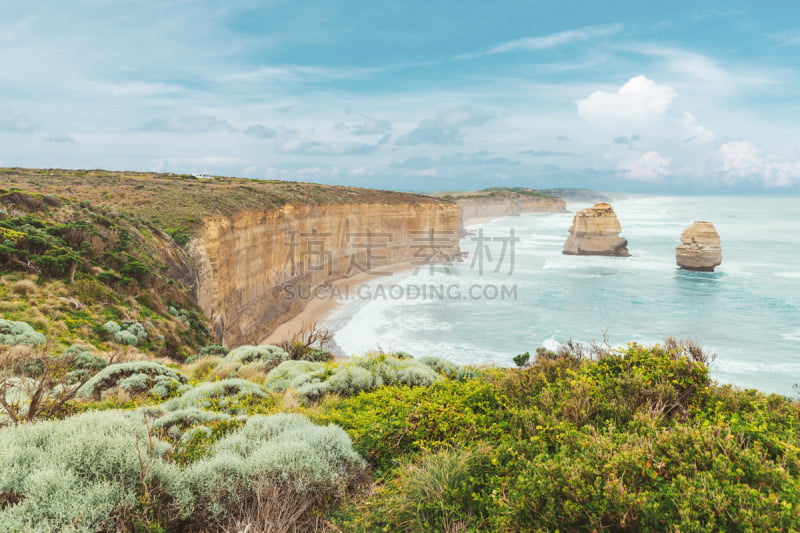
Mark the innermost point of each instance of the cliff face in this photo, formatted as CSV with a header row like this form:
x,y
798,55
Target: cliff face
x,y
255,269
700,249
475,208
595,231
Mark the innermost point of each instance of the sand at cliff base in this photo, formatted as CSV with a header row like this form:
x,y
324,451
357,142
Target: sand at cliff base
x,y
318,308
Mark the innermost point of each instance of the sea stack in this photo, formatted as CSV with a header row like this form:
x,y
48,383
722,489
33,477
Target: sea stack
x,y
595,231
700,250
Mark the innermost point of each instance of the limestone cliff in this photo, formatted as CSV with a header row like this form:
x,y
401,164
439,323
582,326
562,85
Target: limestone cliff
x,y
484,207
595,231
700,249
254,269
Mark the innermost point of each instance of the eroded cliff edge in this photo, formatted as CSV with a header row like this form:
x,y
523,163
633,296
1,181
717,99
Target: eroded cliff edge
x,y
256,269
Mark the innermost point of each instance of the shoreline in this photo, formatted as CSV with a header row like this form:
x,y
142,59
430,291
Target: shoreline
x,y
317,309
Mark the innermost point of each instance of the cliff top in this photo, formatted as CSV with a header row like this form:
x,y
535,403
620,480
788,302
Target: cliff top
x,y
494,192
601,209
181,201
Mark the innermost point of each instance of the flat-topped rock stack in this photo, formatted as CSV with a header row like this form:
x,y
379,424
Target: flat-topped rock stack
x,y
700,249
595,231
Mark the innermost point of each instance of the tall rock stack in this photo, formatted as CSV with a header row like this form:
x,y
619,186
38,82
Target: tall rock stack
x,y
701,249
595,231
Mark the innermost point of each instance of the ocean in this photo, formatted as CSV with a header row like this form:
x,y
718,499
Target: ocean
x,y
511,296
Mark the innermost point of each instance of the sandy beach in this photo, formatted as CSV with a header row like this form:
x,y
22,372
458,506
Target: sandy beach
x,y
318,308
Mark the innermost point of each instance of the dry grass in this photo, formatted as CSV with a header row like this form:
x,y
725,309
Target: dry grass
x,y
289,402
9,354
202,368
276,509
130,353
24,287
253,373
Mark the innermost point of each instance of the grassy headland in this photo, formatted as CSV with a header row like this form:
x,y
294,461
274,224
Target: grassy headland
x,y
494,192
179,202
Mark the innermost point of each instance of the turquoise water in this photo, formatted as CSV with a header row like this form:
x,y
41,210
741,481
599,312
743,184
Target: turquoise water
x,y
748,312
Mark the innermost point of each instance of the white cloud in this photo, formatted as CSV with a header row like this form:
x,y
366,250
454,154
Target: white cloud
x,y
196,164
297,146
740,160
369,126
432,172
361,171
59,138
543,42
197,123
309,171
697,132
693,67
136,89
297,74
17,122
650,166
472,160
639,102
261,131
445,127
641,118
782,174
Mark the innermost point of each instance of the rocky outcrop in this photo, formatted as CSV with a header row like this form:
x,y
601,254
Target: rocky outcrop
x,y
473,209
257,269
700,249
595,231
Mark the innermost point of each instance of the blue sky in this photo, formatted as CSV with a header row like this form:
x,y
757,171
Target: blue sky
x,y
631,96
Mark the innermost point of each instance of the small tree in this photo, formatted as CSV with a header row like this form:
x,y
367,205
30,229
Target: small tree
x,y
35,385
302,347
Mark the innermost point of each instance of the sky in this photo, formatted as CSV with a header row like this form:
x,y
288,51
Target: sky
x,y
671,97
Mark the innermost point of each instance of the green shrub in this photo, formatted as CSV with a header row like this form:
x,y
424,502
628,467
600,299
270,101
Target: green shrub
x,y
110,471
137,373
212,350
136,270
394,421
350,380
522,359
175,423
398,369
441,491
136,329
13,333
79,474
112,327
629,440
690,478
236,396
294,374
313,380
129,333
58,262
126,337
288,450
256,354
156,386
85,363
